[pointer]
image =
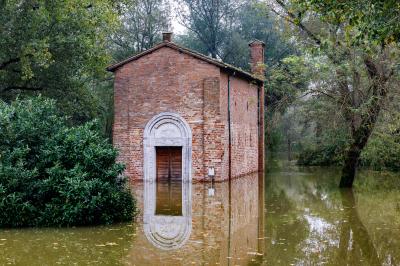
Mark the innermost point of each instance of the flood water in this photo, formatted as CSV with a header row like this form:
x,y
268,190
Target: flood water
x,y
292,216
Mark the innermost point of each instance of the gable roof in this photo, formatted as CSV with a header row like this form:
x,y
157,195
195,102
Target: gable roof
x,y
227,67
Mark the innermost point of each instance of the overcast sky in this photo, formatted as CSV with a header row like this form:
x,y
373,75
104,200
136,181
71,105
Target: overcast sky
x,y
177,28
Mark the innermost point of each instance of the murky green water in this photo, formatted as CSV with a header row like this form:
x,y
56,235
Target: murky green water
x,y
295,216
310,221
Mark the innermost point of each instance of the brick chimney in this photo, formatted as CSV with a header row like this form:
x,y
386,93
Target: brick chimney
x,y
167,36
258,69
257,57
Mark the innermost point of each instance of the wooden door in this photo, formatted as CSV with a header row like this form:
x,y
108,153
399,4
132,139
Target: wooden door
x,y
169,163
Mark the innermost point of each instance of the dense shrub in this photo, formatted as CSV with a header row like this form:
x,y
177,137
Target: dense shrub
x,y
330,150
55,175
382,152
321,156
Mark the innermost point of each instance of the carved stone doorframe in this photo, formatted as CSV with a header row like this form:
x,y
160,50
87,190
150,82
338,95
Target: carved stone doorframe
x,y
167,129
167,232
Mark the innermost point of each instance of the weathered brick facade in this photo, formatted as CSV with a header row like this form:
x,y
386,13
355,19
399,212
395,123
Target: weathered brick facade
x,y
169,78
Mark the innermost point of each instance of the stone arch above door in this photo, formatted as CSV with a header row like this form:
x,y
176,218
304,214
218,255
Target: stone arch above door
x,y
167,129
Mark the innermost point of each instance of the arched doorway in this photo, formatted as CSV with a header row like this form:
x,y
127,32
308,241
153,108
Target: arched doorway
x,y
167,154
167,130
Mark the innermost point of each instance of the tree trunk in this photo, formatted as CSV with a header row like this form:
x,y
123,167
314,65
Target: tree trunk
x,y
289,147
360,139
361,134
350,167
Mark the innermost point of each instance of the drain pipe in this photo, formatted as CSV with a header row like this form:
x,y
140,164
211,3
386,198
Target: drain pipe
x,y
230,169
258,112
229,128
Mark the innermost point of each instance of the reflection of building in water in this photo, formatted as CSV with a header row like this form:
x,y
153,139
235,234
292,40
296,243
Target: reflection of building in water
x,y
225,228
169,198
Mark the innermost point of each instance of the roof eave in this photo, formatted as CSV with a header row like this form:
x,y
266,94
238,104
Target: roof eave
x,y
113,67
171,45
243,75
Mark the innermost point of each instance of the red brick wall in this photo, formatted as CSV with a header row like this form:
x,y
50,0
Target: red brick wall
x,y
166,81
244,125
214,128
169,81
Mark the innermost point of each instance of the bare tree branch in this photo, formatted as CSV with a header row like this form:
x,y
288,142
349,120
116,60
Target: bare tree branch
x,y
292,17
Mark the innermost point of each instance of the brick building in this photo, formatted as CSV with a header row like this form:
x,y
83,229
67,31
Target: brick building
x,y
181,114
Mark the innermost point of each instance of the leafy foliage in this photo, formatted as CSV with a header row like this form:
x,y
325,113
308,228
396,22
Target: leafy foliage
x,y
329,149
254,21
58,49
327,144
362,55
286,81
383,150
373,21
55,175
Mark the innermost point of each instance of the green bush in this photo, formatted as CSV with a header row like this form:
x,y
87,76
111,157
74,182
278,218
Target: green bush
x,y
330,150
55,175
382,152
325,155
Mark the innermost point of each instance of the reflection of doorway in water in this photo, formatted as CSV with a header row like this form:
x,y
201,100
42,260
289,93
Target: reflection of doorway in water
x,y
169,181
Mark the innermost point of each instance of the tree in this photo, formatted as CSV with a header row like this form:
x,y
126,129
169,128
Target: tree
x,y
58,49
142,24
285,81
363,53
210,20
253,21
248,23
383,148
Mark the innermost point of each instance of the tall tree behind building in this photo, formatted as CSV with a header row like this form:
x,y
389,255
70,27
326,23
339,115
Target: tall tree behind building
x,y
211,21
142,24
247,21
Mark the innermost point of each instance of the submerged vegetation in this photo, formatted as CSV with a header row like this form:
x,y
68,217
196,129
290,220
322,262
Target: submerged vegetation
x,y
52,174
